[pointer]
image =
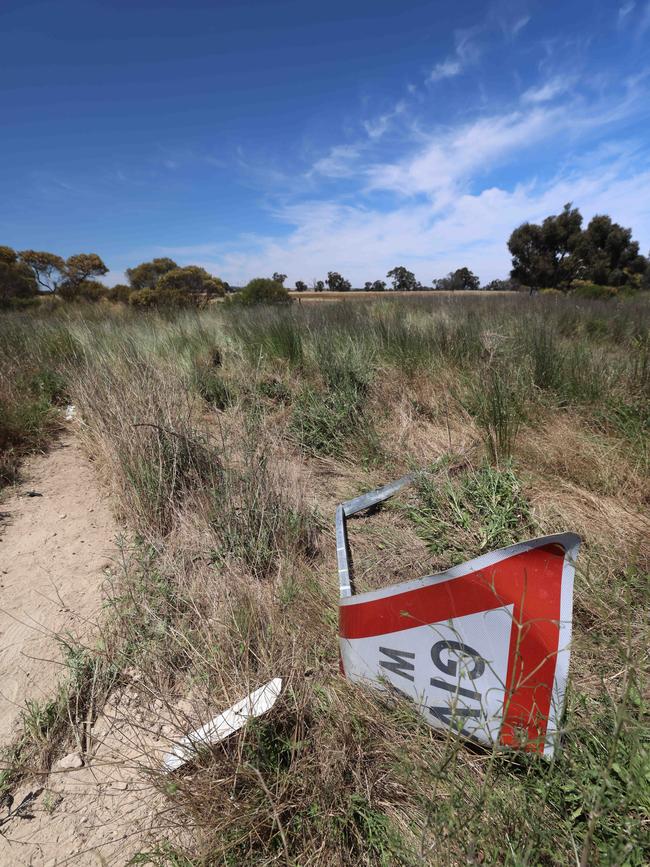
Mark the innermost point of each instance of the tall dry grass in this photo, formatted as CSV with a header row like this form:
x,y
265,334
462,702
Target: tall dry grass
x,y
226,439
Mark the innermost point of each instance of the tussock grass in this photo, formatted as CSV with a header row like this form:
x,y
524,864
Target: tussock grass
x,y
228,436
497,402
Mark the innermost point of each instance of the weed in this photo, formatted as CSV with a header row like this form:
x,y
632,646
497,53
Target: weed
x,y
275,389
328,420
212,387
477,511
497,404
253,521
163,855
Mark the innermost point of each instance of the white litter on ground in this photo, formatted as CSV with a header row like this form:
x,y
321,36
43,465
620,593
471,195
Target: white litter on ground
x,y
225,724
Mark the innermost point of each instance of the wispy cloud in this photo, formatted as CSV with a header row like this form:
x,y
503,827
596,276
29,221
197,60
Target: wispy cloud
x,y
466,52
644,24
436,196
379,126
339,162
510,16
519,24
548,90
625,9
451,156
445,69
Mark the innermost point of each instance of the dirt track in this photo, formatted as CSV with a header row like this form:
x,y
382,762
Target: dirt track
x,y
54,550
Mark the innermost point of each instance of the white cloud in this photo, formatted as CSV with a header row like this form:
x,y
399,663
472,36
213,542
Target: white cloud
x,y
519,24
510,16
440,206
339,161
446,69
547,91
380,125
625,9
466,52
364,243
451,156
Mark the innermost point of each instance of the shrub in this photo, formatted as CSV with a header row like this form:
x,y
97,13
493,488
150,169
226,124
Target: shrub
x,y
16,278
148,298
263,290
147,274
190,280
327,420
119,293
593,290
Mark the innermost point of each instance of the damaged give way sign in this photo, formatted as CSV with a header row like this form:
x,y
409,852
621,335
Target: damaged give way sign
x,y
482,648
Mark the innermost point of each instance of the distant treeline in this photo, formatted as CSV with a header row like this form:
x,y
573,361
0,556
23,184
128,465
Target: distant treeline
x,y
559,254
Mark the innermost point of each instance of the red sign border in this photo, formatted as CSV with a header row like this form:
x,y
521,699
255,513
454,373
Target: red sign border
x,y
532,711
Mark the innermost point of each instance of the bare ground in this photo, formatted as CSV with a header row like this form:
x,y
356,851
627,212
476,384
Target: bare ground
x,y
55,550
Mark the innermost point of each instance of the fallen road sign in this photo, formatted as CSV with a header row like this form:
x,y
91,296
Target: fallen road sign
x,y
482,648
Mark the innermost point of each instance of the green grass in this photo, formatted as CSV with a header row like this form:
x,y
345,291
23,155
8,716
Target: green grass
x,y
497,403
472,512
47,727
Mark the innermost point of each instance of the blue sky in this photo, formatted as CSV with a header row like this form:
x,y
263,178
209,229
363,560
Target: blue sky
x,y
266,135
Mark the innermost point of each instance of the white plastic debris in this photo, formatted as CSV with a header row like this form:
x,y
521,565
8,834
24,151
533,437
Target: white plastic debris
x,y
225,724
70,411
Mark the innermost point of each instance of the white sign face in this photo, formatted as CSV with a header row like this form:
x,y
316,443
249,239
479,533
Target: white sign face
x,y
455,672
482,648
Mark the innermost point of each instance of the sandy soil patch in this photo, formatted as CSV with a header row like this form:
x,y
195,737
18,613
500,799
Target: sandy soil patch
x,y
55,549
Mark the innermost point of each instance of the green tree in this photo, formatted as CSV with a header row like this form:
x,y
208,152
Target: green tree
x,y
78,271
301,286
279,278
374,286
455,281
464,279
548,254
501,286
147,274
48,268
192,280
645,279
337,283
263,290
318,285
16,278
610,256
163,298
403,279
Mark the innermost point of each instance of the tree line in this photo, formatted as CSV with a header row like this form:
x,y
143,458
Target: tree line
x,y
556,254
401,280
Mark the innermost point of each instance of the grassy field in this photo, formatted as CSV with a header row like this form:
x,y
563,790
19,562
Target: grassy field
x,y
227,437
363,295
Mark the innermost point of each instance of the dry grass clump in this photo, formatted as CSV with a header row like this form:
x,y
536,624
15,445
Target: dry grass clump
x,y
229,436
